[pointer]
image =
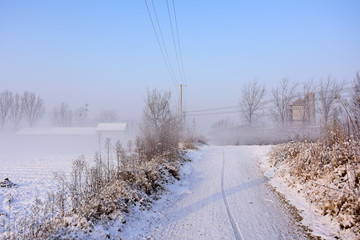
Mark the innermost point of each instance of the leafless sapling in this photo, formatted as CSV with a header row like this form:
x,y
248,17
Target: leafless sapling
x,y
78,175
108,147
130,156
120,156
61,194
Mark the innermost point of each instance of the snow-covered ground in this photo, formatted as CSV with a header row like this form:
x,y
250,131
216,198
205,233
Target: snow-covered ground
x,y
222,195
34,177
30,162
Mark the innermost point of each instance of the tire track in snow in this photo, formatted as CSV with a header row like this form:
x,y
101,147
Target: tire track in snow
x,y
237,232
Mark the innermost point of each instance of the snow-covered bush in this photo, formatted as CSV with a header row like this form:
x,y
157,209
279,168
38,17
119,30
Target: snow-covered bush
x,y
329,171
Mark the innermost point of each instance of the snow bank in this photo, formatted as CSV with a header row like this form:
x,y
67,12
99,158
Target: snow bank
x,y
314,178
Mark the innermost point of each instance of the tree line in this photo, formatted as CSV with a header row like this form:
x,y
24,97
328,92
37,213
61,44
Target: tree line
x,y
27,108
333,101
15,108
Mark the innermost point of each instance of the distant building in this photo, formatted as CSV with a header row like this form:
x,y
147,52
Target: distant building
x,y
70,140
302,111
111,130
102,128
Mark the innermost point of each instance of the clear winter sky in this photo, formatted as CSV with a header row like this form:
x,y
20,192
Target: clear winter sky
x,y
105,53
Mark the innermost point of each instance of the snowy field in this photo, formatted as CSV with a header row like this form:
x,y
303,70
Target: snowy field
x,y
30,162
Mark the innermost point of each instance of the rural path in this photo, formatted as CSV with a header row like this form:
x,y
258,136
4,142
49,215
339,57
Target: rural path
x,y
228,198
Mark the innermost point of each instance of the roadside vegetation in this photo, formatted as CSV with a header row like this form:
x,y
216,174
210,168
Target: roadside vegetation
x,y
327,170
109,186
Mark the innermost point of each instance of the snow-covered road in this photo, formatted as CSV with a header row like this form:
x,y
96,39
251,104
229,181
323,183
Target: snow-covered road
x,y
227,198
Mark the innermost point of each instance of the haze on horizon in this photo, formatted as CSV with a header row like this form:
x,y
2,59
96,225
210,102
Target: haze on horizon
x,y
105,54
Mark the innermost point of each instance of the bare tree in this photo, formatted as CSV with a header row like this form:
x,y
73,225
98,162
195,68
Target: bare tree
x,y
330,91
62,115
282,97
6,100
353,108
131,156
308,93
356,92
356,105
16,112
160,128
157,109
108,116
81,115
251,101
33,107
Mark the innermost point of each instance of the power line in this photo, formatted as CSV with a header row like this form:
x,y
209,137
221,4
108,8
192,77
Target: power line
x,y
172,16
167,62
178,38
173,38
208,114
212,109
162,39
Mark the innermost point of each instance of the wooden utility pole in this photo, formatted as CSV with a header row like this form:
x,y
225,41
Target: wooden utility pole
x,y
181,112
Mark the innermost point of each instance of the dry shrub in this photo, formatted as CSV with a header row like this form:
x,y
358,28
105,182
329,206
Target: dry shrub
x,y
329,170
128,189
191,142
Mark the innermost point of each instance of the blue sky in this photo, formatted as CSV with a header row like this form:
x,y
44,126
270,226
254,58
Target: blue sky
x,y
105,53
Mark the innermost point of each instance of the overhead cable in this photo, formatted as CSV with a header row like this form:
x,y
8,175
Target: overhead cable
x,y
174,42
208,114
178,38
167,61
212,109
